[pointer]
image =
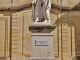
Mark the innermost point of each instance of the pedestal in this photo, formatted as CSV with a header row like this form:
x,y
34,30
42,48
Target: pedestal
x,y
42,42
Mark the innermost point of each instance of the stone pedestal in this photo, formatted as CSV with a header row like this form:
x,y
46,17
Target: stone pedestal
x,y
42,42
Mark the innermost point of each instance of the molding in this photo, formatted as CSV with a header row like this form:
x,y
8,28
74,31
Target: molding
x,y
6,21
55,6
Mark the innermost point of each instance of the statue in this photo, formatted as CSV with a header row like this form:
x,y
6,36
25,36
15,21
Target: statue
x,y
41,10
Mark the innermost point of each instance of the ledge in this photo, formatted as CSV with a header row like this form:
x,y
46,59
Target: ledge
x,y
41,28
30,4
42,25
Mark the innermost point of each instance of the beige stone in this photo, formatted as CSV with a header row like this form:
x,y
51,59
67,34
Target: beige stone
x,y
66,34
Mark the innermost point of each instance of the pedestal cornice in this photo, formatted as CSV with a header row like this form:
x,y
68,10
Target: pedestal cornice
x,y
41,28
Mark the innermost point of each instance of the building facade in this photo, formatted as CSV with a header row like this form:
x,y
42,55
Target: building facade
x,y
15,37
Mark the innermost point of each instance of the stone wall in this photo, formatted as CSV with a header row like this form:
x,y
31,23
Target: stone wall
x,y
17,42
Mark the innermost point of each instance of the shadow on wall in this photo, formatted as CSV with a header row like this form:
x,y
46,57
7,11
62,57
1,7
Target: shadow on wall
x,y
69,20
77,7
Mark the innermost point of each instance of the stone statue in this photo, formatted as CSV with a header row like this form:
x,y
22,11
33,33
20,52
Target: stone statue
x,y
41,10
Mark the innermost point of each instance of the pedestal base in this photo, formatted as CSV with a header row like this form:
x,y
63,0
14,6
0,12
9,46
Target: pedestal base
x,y
42,41
42,58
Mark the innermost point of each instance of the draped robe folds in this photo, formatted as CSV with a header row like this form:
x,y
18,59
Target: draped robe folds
x,y
42,12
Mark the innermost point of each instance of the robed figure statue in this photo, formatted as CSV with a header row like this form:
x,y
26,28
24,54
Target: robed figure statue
x,y
41,10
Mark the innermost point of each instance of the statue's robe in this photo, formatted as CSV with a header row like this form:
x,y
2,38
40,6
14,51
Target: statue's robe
x,y
42,12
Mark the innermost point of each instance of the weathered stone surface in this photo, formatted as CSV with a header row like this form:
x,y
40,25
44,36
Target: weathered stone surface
x,y
18,4
42,58
67,31
41,28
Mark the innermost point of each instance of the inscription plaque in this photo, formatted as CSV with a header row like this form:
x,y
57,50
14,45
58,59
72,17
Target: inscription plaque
x,y
41,42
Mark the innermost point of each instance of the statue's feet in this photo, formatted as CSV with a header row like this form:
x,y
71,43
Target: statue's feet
x,y
47,21
38,20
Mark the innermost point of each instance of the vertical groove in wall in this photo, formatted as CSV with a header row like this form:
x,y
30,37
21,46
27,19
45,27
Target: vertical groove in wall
x,y
59,35
69,36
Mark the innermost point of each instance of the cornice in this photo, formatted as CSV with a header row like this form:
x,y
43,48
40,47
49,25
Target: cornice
x,y
54,6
